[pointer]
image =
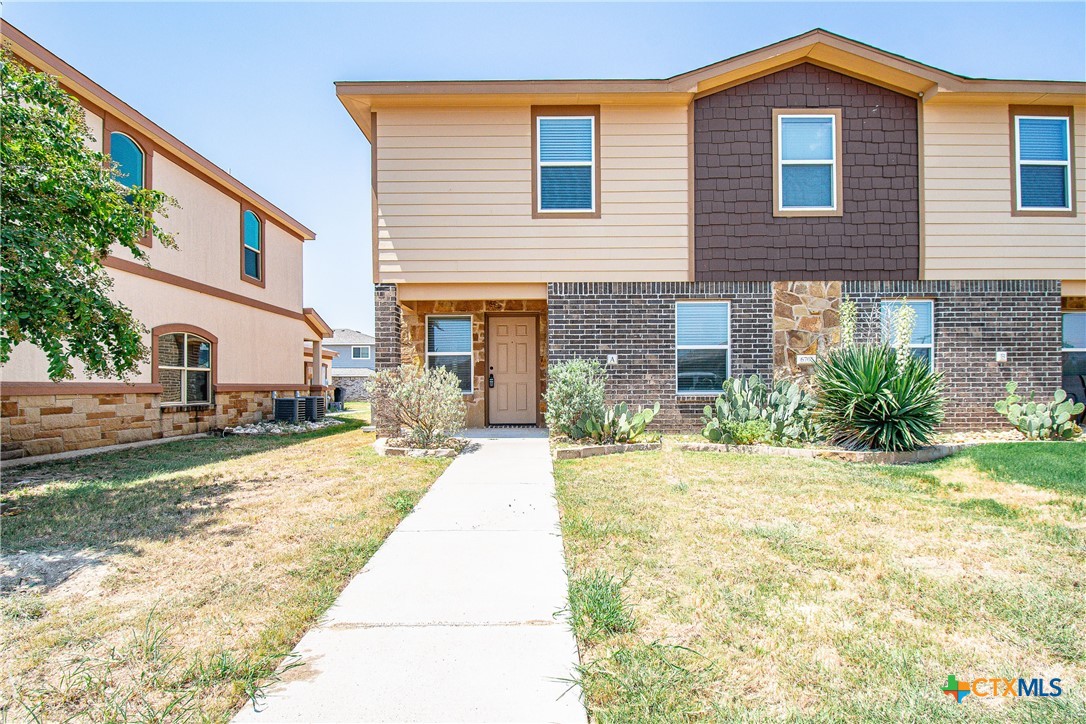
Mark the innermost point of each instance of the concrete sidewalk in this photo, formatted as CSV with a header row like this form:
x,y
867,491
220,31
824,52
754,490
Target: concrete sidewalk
x,y
452,620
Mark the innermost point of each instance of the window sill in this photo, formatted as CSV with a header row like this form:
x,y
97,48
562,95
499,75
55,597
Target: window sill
x,y
252,280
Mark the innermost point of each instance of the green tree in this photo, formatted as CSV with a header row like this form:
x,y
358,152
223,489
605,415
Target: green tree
x,y
62,212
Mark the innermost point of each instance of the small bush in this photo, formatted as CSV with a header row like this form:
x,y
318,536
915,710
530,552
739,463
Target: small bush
x,y
575,389
427,401
785,409
1041,420
751,432
869,397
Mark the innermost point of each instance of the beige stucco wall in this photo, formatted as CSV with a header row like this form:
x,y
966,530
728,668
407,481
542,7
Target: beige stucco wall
x,y
94,124
969,230
454,199
207,229
255,346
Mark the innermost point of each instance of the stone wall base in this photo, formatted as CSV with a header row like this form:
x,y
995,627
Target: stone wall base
x,y
33,425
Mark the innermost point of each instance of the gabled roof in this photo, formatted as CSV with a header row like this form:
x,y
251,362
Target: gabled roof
x,y
101,100
349,336
817,46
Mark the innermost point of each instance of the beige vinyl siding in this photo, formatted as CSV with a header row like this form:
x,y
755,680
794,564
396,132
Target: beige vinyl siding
x,y
969,230
455,199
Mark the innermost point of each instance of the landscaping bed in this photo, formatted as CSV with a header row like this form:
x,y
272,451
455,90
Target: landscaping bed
x,y
403,447
573,451
877,457
853,591
168,583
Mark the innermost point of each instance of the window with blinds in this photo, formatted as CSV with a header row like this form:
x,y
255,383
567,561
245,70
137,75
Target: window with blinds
x,y
565,164
448,345
702,346
1043,160
807,162
922,341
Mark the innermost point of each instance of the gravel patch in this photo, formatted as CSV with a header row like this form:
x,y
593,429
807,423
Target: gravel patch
x,y
271,427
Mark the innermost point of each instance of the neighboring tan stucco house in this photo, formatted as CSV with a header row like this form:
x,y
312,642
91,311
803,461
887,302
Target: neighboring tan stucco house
x,y
226,326
708,224
353,365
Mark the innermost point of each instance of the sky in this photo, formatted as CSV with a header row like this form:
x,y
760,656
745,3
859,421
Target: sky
x,y
250,85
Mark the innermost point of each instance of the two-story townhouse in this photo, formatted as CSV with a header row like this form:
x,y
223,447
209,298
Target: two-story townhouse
x,y
354,362
708,225
225,324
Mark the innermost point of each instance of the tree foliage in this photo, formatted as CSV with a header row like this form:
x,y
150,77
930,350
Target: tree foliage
x,y
62,214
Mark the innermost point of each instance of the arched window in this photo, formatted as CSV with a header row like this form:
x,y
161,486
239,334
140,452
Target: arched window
x,y
129,158
252,248
183,366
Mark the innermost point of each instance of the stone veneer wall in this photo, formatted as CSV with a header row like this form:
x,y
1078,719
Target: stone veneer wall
x,y
45,424
413,349
973,321
636,321
805,321
387,350
354,388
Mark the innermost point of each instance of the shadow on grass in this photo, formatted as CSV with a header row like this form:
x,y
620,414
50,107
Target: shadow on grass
x,y
106,500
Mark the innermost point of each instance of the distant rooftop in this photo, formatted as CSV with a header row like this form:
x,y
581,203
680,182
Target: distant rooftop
x,y
349,336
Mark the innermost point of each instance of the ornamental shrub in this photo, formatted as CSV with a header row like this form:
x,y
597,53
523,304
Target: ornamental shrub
x,y
869,397
426,401
575,389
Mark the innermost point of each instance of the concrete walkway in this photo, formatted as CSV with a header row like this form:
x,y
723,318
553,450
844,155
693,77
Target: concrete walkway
x,y
453,618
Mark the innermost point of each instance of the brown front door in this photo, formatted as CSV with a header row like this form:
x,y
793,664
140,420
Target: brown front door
x,y
514,363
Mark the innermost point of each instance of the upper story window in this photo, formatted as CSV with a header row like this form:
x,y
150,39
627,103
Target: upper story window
x,y
702,357
129,159
1043,173
360,352
252,248
448,345
565,162
922,341
184,368
807,168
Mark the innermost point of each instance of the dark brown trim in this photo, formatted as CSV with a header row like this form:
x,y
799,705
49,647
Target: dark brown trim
x,y
1067,112
245,209
373,199
597,201
112,124
78,388
175,328
160,276
105,103
486,362
838,163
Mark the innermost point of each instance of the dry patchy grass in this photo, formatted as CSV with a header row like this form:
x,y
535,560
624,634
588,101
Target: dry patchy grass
x,y
203,562
774,588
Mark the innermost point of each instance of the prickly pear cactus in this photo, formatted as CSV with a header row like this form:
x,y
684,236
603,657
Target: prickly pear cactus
x,y
1041,420
786,408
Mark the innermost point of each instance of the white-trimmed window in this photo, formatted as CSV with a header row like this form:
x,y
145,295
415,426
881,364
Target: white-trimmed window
x,y
184,369
360,352
922,342
808,169
1042,151
1074,345
566,164
702,351
448,345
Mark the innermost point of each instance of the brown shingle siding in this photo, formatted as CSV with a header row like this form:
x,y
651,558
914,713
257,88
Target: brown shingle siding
x,y
736,235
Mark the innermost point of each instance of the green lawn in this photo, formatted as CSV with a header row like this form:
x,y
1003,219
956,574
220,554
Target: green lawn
x,y
205,562
355,411
715,587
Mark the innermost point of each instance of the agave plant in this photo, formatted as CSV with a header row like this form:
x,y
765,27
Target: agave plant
x,y
869,398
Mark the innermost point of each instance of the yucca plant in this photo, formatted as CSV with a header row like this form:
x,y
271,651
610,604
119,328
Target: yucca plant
x,y
869,397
